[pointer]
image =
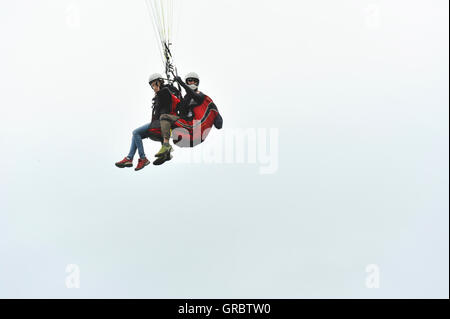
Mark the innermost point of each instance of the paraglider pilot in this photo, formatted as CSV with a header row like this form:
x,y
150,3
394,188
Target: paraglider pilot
x,y
194,99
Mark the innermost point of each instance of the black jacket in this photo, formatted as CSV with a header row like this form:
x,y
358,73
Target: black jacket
x,y
162,103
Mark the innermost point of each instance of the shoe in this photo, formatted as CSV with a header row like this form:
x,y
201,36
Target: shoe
x,y
165,149
126,162
161,160
141,164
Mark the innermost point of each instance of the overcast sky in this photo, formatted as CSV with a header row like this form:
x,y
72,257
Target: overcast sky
x,y
356,90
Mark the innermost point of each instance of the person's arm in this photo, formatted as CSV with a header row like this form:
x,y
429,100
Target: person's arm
x,y
198,98
154,109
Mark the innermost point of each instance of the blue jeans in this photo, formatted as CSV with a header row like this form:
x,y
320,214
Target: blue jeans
x,y
136,142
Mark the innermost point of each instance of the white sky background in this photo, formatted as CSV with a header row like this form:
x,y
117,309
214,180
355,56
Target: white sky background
x,y
358,90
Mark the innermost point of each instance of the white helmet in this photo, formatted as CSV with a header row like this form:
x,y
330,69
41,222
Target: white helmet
x,y
154,77
192,75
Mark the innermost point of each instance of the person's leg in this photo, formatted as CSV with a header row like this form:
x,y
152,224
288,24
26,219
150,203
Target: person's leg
x,y
133,149
167,121
136,144
135,140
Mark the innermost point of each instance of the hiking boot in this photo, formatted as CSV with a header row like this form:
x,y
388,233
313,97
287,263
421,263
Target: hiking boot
x,y
142,163
165,149
126,162
164,158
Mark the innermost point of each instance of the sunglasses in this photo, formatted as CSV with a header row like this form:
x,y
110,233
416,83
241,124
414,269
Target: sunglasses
x,y
192,80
